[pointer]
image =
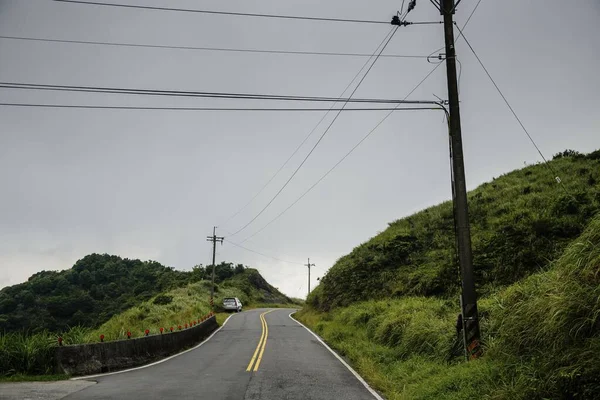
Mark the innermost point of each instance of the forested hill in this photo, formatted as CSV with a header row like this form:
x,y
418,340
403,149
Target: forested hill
x,y
100,285
519,222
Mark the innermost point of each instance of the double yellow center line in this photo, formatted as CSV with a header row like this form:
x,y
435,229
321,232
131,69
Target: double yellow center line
x,y
260,349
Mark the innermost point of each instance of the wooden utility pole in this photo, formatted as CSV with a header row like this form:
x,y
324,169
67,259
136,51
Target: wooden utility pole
x,y
470,316
309,265
214,239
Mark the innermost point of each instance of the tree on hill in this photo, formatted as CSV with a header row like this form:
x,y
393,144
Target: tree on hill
x,y
97,287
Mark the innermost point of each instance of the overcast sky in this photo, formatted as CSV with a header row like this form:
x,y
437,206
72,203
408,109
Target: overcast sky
x,y
151,184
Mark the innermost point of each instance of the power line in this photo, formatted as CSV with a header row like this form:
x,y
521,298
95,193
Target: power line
x,y
342,159
320,138
308,136
262,254
362,140
514,114
237,14
199,94
82,106
469,19
221,49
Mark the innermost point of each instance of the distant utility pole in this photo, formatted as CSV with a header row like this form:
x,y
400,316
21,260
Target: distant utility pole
x,y
470,317
214,239
309,265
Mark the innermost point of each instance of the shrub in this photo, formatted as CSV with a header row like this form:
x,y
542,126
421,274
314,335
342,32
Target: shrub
x,y
594,155
163,299
568,153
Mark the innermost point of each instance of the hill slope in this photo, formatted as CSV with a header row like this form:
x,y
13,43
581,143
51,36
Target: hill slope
x,y
100,286
541,337
519,222
390,306
182,305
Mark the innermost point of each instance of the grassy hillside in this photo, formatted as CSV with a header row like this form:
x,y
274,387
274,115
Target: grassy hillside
x,y
390,306
520,222
187,304
541,336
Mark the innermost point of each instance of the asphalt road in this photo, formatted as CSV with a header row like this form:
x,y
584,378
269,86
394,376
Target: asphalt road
x,y
292,364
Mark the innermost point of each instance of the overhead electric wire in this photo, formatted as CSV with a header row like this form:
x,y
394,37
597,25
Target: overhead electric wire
x,y
259,253
309,134
322,136
515,114
181,93
469,19
83,106
342,159
221,49
362,140
229,13
459,73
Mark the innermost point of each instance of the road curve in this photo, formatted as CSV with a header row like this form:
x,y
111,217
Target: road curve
x,y
294,365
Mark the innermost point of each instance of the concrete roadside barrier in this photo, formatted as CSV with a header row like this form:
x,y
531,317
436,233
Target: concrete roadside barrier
x,y
94,358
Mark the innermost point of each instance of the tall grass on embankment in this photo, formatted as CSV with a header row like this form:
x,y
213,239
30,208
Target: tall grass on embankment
x,y
26,354
175,308
541,336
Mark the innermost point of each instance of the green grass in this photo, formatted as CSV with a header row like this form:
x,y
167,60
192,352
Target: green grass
x,y
520,222
541,337
26,354
187,304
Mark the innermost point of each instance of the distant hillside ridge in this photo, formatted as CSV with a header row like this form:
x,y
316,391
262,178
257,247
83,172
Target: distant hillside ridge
x,y
100,286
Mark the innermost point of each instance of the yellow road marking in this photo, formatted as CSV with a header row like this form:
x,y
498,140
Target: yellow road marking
x,y
260,349
263,345
259,344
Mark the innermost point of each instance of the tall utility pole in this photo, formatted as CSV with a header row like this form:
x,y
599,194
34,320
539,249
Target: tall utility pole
x,y
470,317
214,239
309,265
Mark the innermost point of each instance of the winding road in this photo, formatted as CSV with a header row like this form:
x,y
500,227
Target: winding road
x,y
258,354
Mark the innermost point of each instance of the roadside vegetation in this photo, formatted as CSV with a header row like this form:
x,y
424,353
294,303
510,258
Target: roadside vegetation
x,y
97,287
27,354
391,306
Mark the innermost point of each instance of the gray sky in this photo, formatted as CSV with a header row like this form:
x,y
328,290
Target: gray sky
x,y
151,184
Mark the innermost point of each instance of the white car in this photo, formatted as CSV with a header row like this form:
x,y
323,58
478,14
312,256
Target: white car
x,y
232,304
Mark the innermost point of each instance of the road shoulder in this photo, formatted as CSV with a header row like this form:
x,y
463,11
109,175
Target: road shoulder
x,y
340,359
41,390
